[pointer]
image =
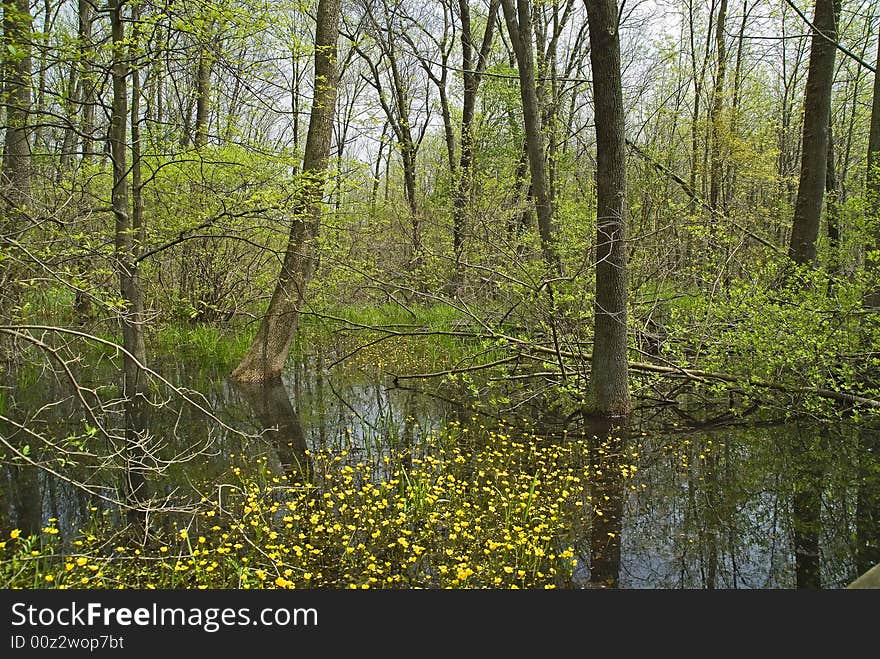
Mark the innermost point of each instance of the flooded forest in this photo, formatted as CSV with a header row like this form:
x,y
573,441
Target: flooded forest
x,y
473,294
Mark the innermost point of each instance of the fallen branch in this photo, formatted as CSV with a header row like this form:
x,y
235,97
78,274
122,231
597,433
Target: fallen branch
x,y
690,373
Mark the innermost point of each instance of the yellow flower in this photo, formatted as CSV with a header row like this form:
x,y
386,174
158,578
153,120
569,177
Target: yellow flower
x,y
183,534
14,533
82,560
49,577
163,549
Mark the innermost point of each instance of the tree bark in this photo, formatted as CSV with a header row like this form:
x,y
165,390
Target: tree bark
x,y
16,176
832,215
132,316
872,186
203,96
519,27
609,385
267,354
716,168
87,79
814,149
471,77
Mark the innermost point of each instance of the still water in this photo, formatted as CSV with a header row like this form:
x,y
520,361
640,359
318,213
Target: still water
x,y
746,503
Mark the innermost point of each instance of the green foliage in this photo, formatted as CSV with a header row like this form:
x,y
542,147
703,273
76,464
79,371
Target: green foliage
x,y
780,326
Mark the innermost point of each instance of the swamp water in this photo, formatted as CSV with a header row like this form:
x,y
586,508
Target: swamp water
x,y
669,503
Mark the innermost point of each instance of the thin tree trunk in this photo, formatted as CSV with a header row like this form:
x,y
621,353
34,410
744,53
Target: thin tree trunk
x,y
522,195
87,77
472,79
377,171
16,172
814,150
735,102
872,186
43,68
75,89
408,152
715,121
71,104
138,226
84,96
832,213
266,356
203,96
699,78
15,176
609,383
132,316
294,102
519,27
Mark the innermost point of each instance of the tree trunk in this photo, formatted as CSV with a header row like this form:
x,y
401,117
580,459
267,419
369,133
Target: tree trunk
x,y
71,105
609,377
203,96
87,79
377,171
132,317
42,66
814,149
716,168
16,176
83,96
472,77
266,356
519,27
735,102
408,153
872,186
698,78
832,212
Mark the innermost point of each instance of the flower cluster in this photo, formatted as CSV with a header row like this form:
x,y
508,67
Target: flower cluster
x,y
486,509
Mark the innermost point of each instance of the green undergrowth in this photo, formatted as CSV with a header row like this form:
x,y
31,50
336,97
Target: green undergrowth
x,y
208,345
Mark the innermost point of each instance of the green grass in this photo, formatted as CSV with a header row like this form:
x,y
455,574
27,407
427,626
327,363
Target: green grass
x,y
208,345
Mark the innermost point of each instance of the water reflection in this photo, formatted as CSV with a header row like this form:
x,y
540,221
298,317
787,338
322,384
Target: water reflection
x,y
808,474
867,514
271,403
755,505
607,462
